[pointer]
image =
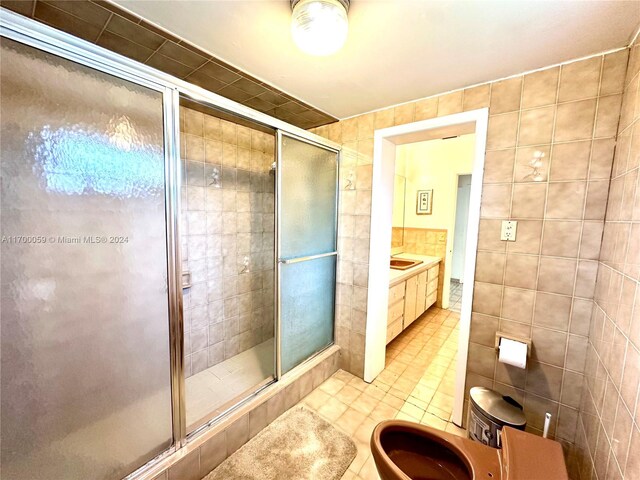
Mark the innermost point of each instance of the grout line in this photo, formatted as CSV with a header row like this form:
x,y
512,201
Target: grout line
x,y
104,27
634,37
155,51
506,249
542,229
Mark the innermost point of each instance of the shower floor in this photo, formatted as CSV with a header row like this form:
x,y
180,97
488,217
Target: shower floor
x,y
212,391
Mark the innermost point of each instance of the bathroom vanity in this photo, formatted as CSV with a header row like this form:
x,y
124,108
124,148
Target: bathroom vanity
x,y
411,292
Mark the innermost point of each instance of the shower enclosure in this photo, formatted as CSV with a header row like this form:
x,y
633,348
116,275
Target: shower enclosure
x,y
166,254
227,236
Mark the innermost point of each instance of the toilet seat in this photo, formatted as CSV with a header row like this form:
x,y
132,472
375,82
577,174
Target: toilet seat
x,y
406,450
410,451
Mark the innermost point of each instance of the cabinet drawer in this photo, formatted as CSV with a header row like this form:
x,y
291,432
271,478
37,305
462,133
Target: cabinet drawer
x,y
394,329
431,299
395,311
410,300
433,272
432,286
396,293
408,321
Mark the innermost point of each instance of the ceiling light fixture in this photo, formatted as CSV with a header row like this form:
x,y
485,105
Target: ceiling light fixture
x,y
319,27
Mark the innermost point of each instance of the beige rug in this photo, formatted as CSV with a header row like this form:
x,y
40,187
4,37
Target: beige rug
x,y
299,445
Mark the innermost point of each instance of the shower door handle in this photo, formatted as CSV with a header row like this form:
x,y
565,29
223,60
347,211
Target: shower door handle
x,y
287,261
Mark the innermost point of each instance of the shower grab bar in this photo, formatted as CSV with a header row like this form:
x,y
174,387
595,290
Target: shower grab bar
x,y
287,261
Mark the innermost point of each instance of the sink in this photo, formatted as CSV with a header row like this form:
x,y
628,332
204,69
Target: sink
x,y
403,263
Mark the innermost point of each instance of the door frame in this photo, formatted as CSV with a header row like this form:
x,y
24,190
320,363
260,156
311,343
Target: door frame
x,y
384,152
279,261
453,240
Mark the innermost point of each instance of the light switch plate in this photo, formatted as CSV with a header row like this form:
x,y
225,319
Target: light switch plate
x,y
508,230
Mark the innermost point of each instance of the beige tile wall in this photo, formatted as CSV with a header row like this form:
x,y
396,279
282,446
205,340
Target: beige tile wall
x,y
609,434
425,241
397,234
227,236
541,285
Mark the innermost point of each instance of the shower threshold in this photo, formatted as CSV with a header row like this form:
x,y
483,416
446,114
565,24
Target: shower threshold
x,y
215,389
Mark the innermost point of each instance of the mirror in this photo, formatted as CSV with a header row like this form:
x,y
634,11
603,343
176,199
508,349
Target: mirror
x,y
397,222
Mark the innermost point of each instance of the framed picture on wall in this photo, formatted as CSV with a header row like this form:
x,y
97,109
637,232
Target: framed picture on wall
x,y
424,203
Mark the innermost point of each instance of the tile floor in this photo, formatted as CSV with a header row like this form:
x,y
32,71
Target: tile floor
x,y
417,384
455,295
212,391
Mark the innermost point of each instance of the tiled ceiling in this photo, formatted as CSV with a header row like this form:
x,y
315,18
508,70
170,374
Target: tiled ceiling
x,y
115,29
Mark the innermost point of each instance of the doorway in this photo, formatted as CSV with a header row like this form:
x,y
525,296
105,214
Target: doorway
x,y
386,142
459,242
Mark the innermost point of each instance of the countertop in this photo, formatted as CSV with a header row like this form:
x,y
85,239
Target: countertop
x,y
397,276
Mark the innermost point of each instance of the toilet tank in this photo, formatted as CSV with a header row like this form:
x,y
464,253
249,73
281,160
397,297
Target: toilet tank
x,y
525,455
489,412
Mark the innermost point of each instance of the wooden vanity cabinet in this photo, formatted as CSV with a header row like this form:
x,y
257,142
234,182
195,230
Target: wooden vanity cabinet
x,y
421,296
395,316
410,299
432,286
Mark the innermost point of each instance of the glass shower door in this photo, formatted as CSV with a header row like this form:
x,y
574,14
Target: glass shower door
x,y
85,357
227,236
307,213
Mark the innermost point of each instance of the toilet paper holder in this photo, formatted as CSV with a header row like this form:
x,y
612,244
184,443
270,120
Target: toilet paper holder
x,y
500,335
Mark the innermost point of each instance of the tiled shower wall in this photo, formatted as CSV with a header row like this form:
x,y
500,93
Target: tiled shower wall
x,y
609,433
542,285
227,238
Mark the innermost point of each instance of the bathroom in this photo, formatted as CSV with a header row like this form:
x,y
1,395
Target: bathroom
x,y
262,200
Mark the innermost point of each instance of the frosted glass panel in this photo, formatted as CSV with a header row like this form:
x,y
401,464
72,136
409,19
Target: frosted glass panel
x,y
85,379
307,308
308,196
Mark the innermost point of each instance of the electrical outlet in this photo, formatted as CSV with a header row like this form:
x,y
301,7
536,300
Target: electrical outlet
x,y
508,231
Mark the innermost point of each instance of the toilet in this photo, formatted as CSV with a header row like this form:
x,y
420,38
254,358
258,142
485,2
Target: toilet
x,y
406,450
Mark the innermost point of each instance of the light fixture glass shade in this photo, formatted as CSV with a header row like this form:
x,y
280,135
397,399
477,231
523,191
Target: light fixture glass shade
x,y
319,27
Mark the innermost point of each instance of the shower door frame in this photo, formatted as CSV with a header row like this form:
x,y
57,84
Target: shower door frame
x,y
278,260
47,39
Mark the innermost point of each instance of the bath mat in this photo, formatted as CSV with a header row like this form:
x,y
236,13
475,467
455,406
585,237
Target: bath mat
x,y
298,445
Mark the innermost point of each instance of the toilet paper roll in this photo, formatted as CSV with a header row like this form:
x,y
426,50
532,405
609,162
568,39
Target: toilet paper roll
x,y
513,353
